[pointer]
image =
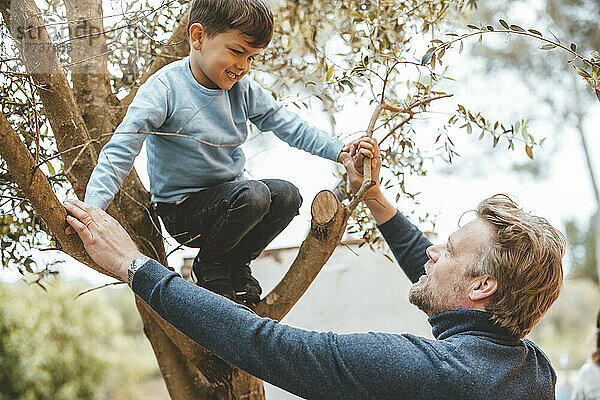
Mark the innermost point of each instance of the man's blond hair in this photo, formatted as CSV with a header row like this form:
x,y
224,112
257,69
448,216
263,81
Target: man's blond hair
x,y
525,256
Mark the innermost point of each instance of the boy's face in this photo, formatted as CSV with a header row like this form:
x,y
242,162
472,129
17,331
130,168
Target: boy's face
x,y
221,60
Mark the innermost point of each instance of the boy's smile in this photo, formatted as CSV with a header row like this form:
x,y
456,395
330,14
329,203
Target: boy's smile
x,y
218,62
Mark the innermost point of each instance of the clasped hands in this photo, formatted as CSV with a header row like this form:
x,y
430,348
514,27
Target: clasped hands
x,y
352,157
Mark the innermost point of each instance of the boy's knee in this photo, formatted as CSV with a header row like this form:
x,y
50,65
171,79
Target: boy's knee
x,y
286,196
255,197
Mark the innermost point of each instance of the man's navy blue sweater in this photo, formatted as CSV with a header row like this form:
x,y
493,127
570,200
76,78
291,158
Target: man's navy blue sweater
x,y
470,358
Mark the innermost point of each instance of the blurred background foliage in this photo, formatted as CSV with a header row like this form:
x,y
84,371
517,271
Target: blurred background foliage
x,y
567,332
57,346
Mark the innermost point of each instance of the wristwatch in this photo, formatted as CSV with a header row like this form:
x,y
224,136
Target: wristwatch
x,y
134,266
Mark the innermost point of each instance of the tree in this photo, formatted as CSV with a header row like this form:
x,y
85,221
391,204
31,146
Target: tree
x,y
59,108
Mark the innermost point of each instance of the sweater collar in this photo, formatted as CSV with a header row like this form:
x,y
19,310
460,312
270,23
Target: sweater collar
x,y
190,77
451,323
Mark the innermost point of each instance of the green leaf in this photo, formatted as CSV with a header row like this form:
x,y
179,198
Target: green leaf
x,y
548,46
309,83
427,56
535,32
496,139
517,28
529,151
504,24
472,26
598,94
27,263
583,73
329,73
490,28
50,168
573,47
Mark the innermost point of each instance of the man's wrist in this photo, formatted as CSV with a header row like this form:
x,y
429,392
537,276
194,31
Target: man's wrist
x,y
373,195
132,266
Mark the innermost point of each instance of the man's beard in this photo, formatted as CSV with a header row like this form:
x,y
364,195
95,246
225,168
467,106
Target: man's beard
x,y
436,302
421,296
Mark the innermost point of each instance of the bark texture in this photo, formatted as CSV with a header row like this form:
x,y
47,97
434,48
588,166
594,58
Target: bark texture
x,y
89,72
36,188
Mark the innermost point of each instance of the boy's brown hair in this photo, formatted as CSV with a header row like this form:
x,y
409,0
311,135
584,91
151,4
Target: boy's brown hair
x,y
525,257
252,17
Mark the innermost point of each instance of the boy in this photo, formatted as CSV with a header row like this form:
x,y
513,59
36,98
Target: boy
x,y
196,176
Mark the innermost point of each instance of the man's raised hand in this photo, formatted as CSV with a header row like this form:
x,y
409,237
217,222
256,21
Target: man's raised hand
x,y
352,157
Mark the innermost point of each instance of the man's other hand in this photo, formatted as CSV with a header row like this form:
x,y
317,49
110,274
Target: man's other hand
x,y
105,240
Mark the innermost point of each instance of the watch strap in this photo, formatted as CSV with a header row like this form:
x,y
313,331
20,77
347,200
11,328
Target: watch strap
x,y
134,266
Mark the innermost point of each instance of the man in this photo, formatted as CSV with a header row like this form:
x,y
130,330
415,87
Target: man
x,y
484,290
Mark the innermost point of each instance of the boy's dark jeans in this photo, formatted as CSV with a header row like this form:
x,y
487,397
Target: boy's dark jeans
x,y
232,222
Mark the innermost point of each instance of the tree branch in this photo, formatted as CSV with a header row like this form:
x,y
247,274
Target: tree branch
x,y
38,54
35,186
329,218
91,81
409,109
176,48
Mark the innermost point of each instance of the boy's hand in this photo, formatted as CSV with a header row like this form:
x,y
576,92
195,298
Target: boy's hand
x,y
105,240
352,157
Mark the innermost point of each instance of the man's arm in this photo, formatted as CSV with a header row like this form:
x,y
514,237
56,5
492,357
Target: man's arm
x,y
314,365
407,242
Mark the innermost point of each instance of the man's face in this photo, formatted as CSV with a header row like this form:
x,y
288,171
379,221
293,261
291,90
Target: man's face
x,y
219,61
445,286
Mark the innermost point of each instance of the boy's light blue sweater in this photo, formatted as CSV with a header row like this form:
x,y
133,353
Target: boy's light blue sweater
x,y
214,123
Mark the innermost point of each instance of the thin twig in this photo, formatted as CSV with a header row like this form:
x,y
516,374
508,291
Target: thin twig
x,y
183,244
99,287
411,113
